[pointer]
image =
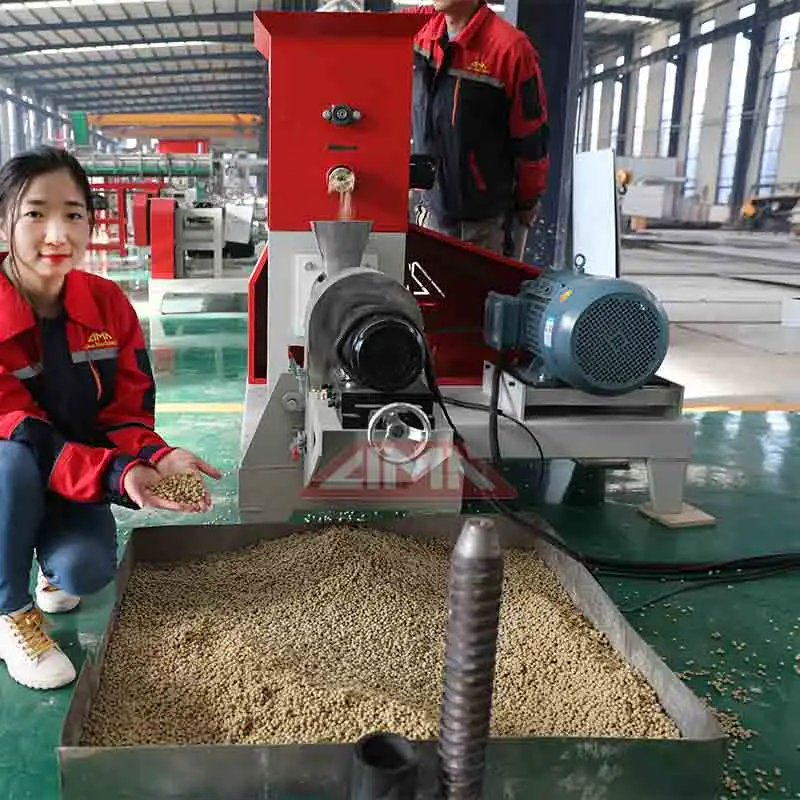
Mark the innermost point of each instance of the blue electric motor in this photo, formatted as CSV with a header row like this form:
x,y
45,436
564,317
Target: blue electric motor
x,y
603,336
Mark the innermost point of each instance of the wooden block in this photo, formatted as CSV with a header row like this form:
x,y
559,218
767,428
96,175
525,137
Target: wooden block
x,y
687,517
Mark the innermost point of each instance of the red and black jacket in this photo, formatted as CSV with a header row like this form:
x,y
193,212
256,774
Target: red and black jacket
x,y
480,110
78,391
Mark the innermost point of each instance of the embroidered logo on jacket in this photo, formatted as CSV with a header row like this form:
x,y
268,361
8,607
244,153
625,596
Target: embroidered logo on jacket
x,y
479,67
100,339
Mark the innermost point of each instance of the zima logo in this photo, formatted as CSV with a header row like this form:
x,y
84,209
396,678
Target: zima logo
x,y
441,472
100,339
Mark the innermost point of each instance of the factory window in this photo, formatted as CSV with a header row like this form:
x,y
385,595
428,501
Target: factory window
x,y
668,100
641,103
698,107
733,117
597,99
782,74
617,107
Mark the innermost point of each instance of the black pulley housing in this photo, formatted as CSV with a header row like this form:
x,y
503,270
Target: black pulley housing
x,y
368,325
383,352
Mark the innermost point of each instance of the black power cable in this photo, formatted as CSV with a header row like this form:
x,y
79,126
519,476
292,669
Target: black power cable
x,y
720,580
730,571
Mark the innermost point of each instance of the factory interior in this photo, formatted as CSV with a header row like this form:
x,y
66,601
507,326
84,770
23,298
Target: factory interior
x,y
592,398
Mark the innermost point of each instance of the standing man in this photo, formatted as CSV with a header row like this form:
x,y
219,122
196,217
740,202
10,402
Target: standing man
x,y
480,111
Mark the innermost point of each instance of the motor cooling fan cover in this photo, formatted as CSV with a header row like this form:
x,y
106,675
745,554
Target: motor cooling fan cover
x,y
599,335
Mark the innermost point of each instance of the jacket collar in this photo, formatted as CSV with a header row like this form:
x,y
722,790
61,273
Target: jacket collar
x,y
465,36
16,315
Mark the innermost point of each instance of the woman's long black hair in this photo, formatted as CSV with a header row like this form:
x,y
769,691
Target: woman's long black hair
x,y
16,175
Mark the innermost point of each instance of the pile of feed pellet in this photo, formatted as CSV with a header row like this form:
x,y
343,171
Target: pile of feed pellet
x,y
184,488
328,636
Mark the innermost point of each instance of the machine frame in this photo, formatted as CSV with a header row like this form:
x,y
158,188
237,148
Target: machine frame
x,y
281,427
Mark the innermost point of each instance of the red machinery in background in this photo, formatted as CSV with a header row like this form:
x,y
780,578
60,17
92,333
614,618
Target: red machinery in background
x,y
113,219
182,146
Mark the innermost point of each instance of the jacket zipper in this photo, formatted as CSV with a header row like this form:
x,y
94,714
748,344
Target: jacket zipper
x,y
97,381
476,173
456,95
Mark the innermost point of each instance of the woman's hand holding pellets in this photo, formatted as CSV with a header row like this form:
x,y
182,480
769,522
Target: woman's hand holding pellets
x,y
142,485
182,471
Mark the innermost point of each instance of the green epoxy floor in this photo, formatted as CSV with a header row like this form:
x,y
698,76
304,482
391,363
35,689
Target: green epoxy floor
x,y
740,646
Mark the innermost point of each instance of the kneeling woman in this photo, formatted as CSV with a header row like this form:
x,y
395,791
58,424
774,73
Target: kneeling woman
x,y
77,402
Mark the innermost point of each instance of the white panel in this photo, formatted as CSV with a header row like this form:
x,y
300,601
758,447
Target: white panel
x,y
644,168
238,222
595,219
645,201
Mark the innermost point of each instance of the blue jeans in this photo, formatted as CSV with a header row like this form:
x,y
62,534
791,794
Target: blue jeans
x,y
75,543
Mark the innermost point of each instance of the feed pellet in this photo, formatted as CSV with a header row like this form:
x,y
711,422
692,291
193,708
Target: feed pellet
x,y
328,636
185,488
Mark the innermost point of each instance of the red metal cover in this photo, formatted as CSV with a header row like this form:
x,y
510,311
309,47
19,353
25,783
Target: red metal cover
x,y
141,229
315,64
162,237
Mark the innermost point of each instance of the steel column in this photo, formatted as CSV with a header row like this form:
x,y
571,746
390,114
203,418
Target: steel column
x,y
744,148
22,142
556,29
681,61
625,103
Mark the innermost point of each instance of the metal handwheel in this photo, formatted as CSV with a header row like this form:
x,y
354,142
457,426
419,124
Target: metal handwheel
x,y
396,433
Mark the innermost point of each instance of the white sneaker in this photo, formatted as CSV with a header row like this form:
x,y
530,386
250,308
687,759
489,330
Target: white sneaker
x,y
51,599
32,657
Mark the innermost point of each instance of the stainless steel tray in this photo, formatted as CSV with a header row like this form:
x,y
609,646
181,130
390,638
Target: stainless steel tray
x,y
689,768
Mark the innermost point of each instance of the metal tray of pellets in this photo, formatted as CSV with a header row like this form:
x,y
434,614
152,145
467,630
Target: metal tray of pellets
x,y
244,661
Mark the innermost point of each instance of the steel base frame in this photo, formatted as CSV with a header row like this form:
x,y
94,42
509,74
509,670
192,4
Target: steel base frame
x,y
645,426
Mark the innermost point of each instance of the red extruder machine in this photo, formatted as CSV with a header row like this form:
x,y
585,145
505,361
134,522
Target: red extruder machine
x,y
372,383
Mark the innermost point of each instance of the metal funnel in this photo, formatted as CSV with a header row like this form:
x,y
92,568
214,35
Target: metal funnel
x,y
341,243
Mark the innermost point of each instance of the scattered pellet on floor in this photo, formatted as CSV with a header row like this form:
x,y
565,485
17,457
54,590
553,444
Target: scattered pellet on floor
x,y
326,637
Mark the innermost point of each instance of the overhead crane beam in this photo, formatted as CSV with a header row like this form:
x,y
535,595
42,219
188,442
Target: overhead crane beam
x,y
187,88
247,134
99,81
27,79
231,119
216,38
236,107
132,22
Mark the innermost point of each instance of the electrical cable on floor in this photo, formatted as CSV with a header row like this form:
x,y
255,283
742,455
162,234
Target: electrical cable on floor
x,y
731,571
742,577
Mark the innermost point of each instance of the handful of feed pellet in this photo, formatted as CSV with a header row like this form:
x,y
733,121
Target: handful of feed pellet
x,y
185,488
324,637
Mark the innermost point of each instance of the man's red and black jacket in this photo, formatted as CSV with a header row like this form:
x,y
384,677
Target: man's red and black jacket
x,y
480,110
78,390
